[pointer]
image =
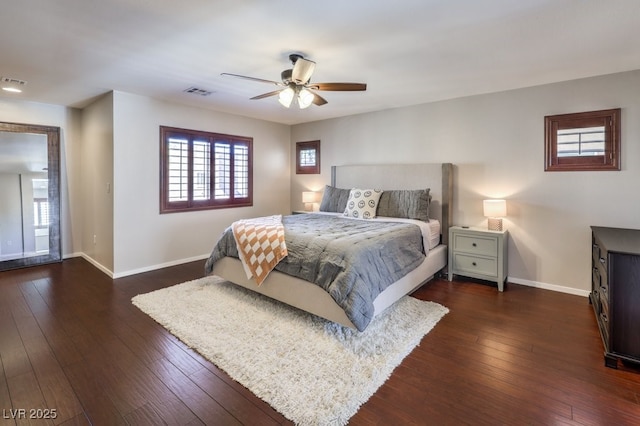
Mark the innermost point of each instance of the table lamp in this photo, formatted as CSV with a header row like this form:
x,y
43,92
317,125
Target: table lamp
x,y
308,198
495,210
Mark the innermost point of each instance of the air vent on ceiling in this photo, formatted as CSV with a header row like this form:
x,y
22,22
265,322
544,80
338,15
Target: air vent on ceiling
x,y
13,80
198,91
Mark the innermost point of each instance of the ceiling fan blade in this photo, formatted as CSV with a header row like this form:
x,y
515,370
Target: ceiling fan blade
x,y
266,95
302,70
318,100
261,80
339,87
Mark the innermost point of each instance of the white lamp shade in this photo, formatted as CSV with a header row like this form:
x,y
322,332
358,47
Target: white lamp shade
x,y
286,96
305,98
495,208
308,197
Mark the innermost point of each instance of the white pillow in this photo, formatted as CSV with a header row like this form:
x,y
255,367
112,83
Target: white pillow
x,y
362,203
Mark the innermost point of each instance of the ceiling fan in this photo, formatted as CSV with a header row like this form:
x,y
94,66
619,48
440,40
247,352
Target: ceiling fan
x,y
296,84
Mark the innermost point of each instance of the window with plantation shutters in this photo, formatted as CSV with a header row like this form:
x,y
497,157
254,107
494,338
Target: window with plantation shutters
x,y
583,141
308,157
41,212
202,170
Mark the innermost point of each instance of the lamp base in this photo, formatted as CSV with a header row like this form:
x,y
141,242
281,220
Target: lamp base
x,y
495,224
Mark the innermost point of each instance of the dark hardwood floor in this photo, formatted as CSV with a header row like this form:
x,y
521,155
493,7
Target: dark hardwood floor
x,y
72,345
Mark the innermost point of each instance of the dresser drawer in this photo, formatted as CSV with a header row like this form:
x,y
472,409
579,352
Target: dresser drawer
x,y
487,246
595,278
604,301
599,279
595,301
600,257
603,323
475,265
595,252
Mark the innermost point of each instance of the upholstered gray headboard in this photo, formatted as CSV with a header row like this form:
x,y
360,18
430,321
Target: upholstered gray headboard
x,y
436,176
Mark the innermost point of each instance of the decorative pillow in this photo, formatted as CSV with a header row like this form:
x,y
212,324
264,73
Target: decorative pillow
x,y
362,203
334,199
411,204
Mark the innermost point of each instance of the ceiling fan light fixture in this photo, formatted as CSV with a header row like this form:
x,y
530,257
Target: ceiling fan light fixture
x,y
296,86
286,97
305,98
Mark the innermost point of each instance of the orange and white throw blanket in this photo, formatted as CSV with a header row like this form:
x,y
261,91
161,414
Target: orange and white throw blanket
x,y
260,244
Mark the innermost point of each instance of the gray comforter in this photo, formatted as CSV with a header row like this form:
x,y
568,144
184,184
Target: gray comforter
x,y
353,260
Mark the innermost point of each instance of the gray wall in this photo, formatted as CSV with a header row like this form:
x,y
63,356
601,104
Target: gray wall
x,y
10,215
143,238
96,175
496,142
68,119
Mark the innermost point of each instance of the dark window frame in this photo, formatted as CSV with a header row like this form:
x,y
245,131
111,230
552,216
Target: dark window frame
x,y
308,169
191,204
610,160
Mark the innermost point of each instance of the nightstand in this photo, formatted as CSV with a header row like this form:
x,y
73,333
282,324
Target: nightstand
x,y
478,253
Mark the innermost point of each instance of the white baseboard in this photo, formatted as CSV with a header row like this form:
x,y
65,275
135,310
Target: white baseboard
x,y
113,275
97,264
90,260
529,283
547,286
71,255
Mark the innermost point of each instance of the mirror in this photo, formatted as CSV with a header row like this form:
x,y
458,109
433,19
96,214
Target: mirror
x,y
29,195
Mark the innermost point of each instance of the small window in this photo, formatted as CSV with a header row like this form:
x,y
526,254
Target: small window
x,y
583,141
201,170
308,157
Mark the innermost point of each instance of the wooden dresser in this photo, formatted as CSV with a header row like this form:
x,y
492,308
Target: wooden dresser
x,y
615,292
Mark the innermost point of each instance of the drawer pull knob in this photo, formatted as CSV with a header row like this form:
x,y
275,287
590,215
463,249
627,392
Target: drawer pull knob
x,y
473,244
473,263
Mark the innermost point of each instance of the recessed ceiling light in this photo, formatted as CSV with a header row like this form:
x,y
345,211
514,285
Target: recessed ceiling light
x,y
12,84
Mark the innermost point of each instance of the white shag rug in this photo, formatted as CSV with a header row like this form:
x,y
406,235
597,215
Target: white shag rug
x,y
312,371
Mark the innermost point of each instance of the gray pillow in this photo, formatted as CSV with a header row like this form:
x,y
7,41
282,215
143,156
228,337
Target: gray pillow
x,y
334,199
412,204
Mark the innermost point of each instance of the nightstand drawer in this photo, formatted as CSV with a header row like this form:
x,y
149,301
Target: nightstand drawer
x,y
487,246
477,265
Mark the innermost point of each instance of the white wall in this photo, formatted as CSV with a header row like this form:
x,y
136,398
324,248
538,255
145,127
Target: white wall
x,y
68,119
496,142
145,239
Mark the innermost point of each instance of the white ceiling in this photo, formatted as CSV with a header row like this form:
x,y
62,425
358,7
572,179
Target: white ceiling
x,y
407,51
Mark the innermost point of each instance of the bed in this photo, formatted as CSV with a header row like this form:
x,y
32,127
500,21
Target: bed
x,y
310,297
